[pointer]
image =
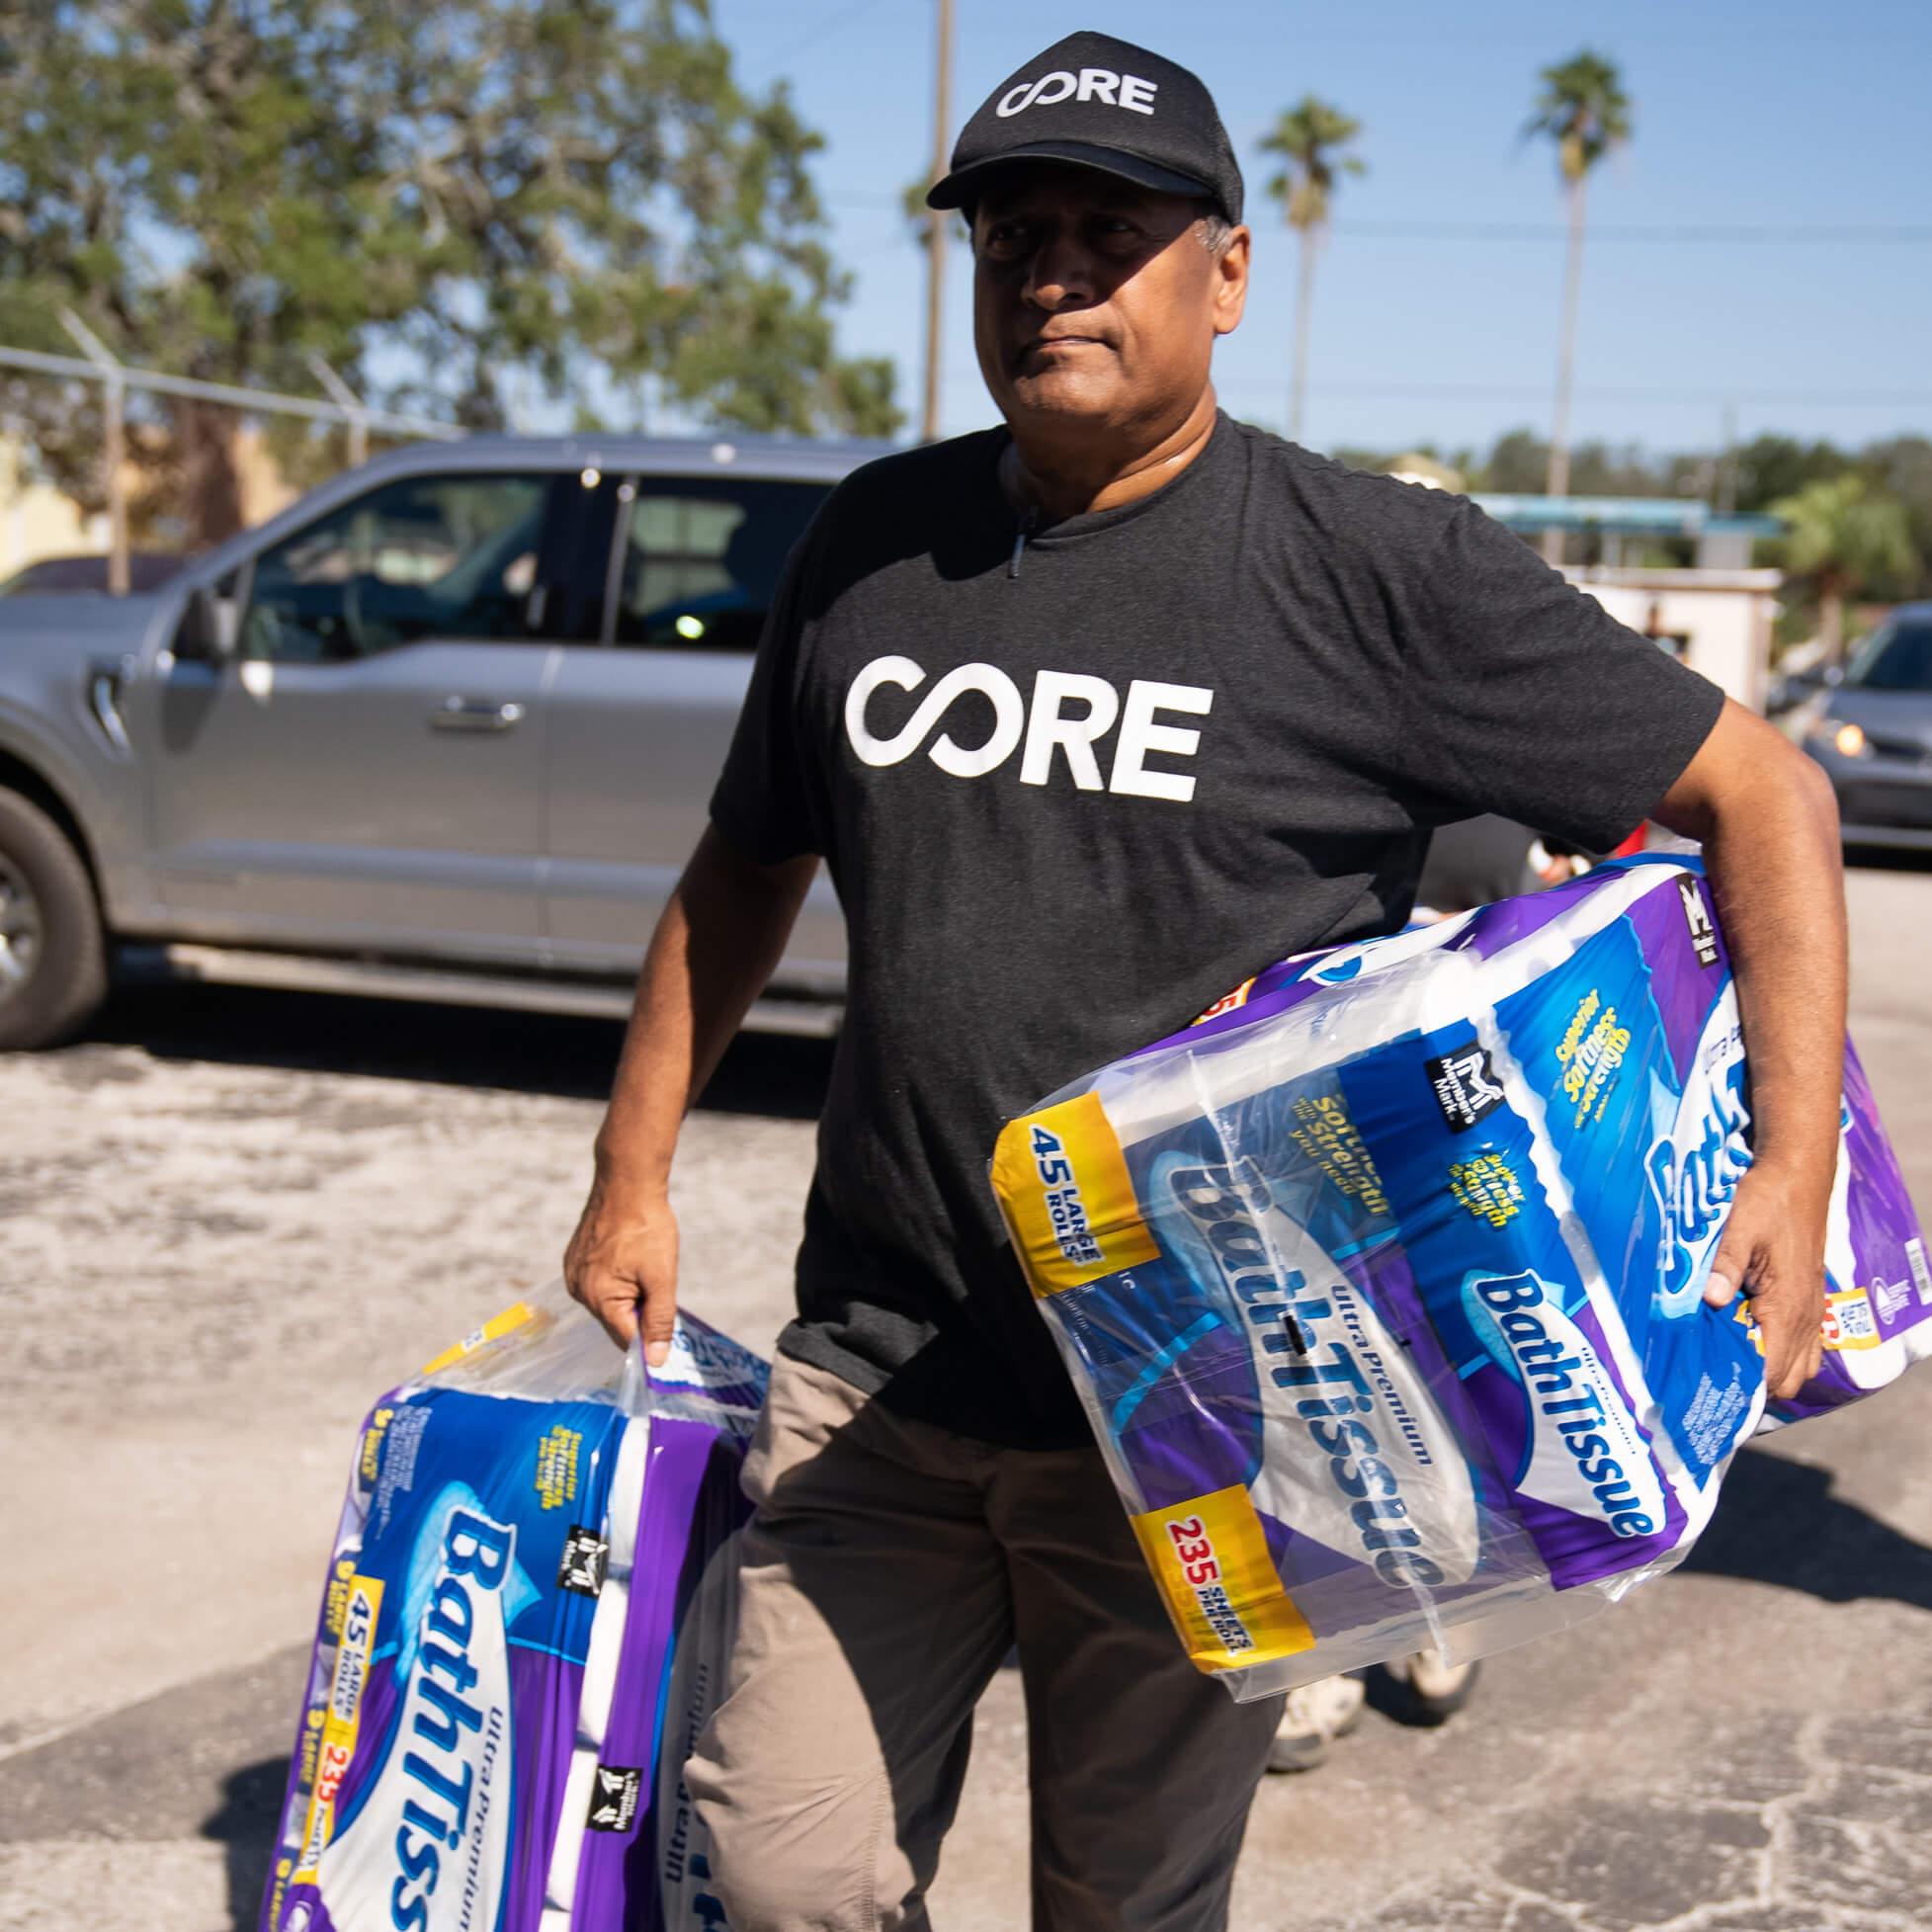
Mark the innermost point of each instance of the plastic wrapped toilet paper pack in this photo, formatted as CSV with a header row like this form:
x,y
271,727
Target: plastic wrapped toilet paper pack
x,y
529,1606
1382,1283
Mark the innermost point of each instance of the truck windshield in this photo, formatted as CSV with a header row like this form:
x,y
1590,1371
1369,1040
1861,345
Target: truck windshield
x,y
1895,657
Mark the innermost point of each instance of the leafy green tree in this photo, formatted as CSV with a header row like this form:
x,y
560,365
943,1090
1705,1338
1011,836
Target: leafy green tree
x,y
1902,465
587,183
1844,534
1310,137
1583,111
485,198
1770,468
175,174
1518,463
919,217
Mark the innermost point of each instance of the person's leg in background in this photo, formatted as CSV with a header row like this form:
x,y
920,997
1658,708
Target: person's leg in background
x,y
1433,1689
1427,1691
1142,1769
1313,1715
874,1609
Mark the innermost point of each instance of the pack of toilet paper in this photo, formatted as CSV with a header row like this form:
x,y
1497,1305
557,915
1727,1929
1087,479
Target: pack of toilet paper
x,y
1382,1283
529,1606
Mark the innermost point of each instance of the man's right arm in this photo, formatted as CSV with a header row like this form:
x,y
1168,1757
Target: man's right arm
x,y
721,933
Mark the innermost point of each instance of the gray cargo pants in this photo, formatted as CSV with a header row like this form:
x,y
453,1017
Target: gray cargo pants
x,y
890,1567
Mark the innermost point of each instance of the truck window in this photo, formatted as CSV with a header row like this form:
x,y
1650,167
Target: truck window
x,y
702,559
420,558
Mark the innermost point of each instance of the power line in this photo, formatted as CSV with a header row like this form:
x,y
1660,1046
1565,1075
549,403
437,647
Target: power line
x,y
1511,392
963,379
1548,231
1897,234
822,32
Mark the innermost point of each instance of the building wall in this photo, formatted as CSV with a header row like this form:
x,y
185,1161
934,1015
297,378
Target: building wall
x,y
265,491
1725,615
37,521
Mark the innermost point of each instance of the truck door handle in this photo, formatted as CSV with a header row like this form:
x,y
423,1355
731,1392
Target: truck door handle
x,y
460,713
107,679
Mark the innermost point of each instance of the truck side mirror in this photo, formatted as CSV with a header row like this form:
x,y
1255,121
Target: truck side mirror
x,y
210,625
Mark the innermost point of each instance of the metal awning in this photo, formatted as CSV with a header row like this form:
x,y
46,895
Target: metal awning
x,y
1625,515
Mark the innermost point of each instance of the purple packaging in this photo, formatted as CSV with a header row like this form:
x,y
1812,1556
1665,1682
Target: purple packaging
x,y
528,1604
1382,1283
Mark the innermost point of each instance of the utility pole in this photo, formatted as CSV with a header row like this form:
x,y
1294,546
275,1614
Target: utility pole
x,y
937,219
114,445
1727,465
1559,476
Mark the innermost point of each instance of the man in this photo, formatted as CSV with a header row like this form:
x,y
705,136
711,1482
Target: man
x,y
1091,716
1483,858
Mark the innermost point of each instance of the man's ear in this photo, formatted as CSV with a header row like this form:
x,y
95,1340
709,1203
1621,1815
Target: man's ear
x,y
1232,281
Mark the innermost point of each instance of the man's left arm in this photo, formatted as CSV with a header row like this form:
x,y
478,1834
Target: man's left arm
x,y
1768,826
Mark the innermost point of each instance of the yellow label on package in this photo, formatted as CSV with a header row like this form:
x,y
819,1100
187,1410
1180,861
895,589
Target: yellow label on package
x,y
1849,1321
341,1717
512,1318
378,1424
1063,1183
1210,1558
1228,1003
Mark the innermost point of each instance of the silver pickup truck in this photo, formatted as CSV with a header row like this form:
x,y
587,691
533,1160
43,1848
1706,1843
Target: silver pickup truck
x,y
445,729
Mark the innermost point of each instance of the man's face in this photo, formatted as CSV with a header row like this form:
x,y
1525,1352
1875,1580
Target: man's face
x,y
1095,302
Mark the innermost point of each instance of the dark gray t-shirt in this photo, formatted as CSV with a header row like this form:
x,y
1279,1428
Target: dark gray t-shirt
x,y
1073,794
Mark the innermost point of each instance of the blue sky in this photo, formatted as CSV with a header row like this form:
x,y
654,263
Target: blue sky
x,y
1753,117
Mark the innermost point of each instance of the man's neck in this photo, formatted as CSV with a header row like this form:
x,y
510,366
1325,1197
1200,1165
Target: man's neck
x,y
1061,477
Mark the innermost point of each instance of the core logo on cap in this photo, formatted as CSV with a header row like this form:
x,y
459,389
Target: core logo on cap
x,y
1128,91
1163,131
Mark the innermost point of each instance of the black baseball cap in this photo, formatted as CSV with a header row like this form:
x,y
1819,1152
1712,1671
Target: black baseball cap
x,y
1099,103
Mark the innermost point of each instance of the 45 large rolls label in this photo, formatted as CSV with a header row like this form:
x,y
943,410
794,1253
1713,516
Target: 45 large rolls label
x,y
1068,1198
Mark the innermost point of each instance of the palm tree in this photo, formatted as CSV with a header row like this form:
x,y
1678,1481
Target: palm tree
x,y
1843,533
1584,109
1306,138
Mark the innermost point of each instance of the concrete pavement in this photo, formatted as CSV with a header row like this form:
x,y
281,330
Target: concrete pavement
x,y
216,1187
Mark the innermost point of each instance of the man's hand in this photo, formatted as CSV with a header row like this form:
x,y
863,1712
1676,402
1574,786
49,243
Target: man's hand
x,y
719,936
622,1261
1773,1249
1768,824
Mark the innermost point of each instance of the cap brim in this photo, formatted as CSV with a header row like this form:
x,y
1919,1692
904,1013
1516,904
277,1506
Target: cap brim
x,y
965,185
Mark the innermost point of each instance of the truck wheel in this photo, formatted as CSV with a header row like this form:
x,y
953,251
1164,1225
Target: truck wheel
x,y
53,969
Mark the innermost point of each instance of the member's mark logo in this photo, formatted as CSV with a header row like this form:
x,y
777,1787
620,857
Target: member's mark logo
x,y
586,1556
1697,916
615,1793
1464,1085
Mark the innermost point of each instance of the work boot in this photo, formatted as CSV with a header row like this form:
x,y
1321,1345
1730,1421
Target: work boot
x,y
1314,1715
